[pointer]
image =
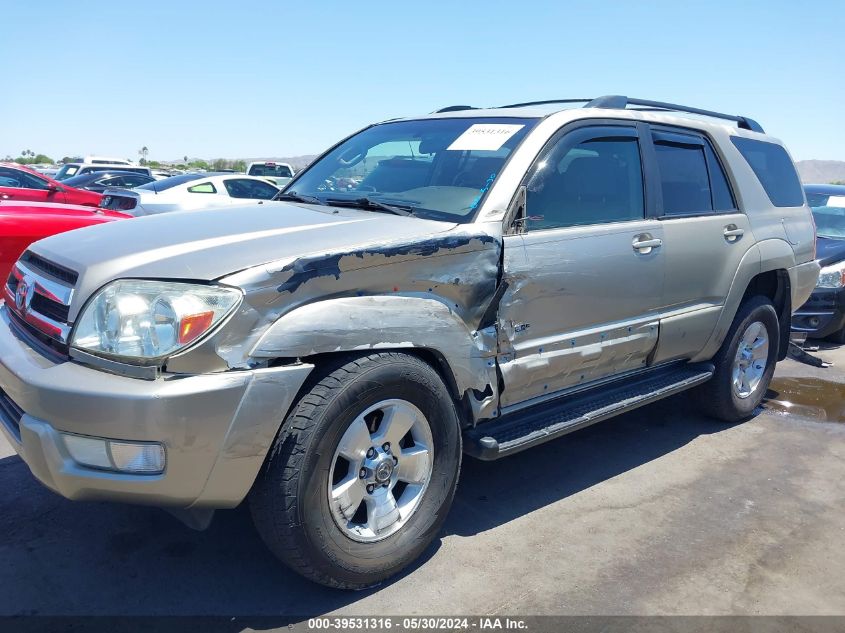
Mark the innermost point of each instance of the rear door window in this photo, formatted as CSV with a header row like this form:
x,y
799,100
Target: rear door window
x,y
774,169
692,180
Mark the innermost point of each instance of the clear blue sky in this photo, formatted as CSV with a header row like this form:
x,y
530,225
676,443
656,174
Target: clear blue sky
x,y
279,78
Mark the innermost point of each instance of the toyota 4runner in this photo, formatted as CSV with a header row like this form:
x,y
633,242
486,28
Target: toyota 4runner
x,y
492,279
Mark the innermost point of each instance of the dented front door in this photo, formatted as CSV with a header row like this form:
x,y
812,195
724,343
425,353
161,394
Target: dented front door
x,y
585,279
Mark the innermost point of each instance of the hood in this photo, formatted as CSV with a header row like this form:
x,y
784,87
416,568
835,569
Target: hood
x,y
212,243
55,209
829,250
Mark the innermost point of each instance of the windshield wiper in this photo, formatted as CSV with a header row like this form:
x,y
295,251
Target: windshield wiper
x,y
298,197
370,205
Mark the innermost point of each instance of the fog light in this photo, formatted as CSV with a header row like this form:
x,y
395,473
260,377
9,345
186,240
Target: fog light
x,y
147,458
137,458
88,451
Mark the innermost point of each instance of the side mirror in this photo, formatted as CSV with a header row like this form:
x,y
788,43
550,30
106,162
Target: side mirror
x,y
54,188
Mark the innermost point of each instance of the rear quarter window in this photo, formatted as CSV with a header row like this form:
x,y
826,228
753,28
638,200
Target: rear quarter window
x,y
774,169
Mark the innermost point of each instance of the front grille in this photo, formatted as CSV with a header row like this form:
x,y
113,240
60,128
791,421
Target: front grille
x,y
49,308
59,272
10,414
45,345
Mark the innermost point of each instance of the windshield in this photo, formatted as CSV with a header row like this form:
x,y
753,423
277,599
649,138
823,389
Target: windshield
x,y
167,183
269,169
66,171
438,169
829,214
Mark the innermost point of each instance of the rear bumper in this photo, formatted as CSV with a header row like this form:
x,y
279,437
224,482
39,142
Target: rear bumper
x,y
822,315
216,428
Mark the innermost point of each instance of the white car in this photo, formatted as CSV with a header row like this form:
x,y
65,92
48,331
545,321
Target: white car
x,y
188,192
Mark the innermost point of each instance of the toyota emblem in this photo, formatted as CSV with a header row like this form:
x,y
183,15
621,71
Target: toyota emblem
x,y
21,295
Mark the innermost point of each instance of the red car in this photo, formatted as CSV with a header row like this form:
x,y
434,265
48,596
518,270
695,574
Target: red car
x,y
22,223
19,183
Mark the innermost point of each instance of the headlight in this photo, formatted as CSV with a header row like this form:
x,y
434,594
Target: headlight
x,y
832,276
146,320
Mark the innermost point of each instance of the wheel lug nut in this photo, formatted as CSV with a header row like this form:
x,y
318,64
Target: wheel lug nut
x,y
386,447
362,473
371,452
370,488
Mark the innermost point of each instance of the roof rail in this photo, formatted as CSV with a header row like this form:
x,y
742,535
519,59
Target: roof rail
x,y
455,108
620,102
547,102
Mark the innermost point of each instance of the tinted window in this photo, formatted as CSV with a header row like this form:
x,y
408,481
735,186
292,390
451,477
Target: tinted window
x,y
683,178
774,170
590,180
723,199
20,178
253,189
133,180
270,169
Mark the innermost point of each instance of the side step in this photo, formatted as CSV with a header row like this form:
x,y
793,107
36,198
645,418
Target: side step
x,y
549,420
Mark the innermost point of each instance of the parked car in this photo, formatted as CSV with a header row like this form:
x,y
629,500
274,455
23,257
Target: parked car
x,y
105,160
189,192
498,278
21,184
22,223
278,173
69,170
824,313
99,181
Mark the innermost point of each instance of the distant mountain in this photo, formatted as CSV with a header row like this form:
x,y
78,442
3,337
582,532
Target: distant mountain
x,y
821,171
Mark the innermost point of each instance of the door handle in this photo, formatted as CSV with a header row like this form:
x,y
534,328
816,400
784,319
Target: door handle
x,y
5,196
732,233
645,243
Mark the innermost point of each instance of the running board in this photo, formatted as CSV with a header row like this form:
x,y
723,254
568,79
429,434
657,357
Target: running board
x,y
543,422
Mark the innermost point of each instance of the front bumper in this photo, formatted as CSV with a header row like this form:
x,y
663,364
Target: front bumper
x,y
823,314
216,428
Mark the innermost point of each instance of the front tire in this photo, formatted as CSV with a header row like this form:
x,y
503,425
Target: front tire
x,y
837,337
744,364
363,472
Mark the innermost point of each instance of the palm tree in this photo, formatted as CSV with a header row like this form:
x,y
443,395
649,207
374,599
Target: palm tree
x,y
143,152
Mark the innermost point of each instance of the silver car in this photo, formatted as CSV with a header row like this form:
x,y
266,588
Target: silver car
x,y
484,280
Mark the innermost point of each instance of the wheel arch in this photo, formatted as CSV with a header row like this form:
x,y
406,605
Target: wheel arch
x,y
322,331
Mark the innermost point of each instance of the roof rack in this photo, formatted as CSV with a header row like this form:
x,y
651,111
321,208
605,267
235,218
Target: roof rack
x,y
455,108
620,102
547,102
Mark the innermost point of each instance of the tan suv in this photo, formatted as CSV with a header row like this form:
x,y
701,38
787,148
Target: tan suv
x,y
474,280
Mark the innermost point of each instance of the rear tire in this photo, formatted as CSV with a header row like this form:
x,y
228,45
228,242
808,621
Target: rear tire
x,y
744,364
331,501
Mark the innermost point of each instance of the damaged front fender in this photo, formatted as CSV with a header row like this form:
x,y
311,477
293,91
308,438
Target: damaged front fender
x,y
353,324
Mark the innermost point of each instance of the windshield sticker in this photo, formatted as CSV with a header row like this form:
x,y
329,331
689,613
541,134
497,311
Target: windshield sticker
x,y
484,137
